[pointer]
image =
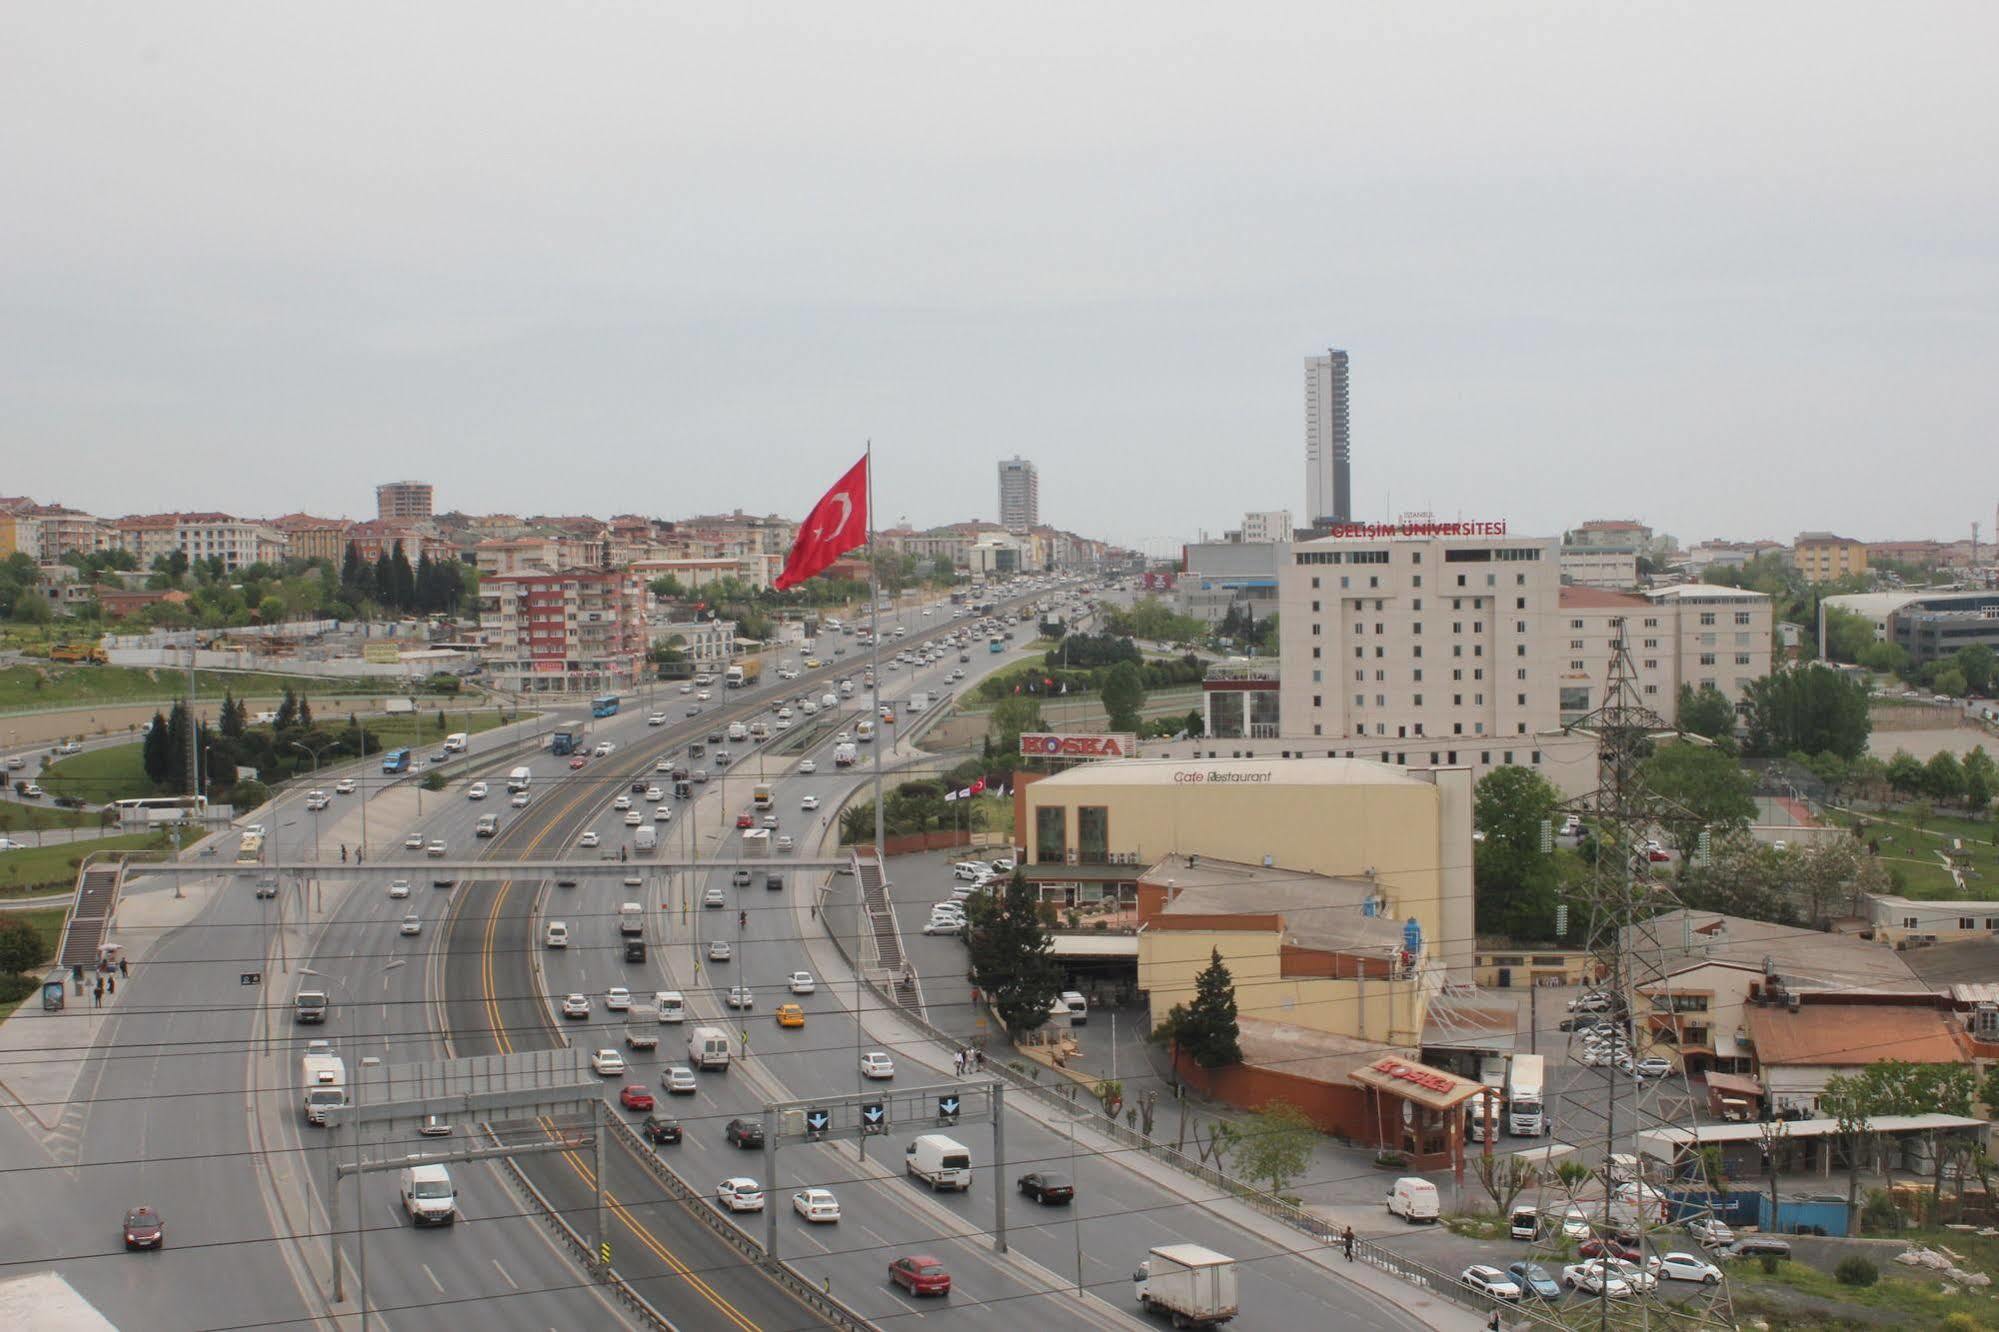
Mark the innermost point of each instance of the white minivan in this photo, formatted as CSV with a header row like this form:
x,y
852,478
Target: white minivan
x,y
938,1161
428,1196
971,871
557,935
672,1007
1414,1200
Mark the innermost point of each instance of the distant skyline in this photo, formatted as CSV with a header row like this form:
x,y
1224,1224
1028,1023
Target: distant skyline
x,y
1728,269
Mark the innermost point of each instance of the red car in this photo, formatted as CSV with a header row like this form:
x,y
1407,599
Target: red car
x,y
576,763
144,1229
1623,1246
745,821
635,1096
920,1274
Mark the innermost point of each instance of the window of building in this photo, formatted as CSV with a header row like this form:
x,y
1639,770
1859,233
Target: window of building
x,y
1315,607
1575,665
1707,658
1416,581
1707,617
1093,834
1315,585
1742,617
1418,675
1520,603
1315,654
1317,677
1419,700
1051,834
1416,605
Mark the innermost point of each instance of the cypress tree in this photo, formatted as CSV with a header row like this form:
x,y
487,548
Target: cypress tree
x,y
153,752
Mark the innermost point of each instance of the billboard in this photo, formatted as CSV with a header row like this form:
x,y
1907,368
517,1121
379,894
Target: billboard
x,y
385,654
1045,744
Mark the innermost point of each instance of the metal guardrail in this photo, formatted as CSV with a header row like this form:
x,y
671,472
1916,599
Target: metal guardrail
x,y
634,1301
820,1301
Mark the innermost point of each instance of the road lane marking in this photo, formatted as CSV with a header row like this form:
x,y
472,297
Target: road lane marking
x,y
503,1275
433,1277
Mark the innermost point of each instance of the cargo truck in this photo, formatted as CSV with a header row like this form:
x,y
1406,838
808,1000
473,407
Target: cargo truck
x,y
562,742
919,701
323,1077
845,754
1195,1286
1524,1081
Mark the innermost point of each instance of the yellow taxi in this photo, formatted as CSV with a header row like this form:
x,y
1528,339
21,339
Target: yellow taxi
x,y
813,663
790,1015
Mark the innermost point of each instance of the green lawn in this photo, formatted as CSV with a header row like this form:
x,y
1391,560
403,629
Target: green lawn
x,y
47,922
424,728
1801,1296
40,869
1912,854
52,685
17,816
116,772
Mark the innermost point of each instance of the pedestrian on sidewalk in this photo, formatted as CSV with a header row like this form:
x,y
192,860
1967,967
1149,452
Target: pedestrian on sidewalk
x,y
124,968
958,1063
343,853
110,985
97,996
357,855
1347,1241
1492,1324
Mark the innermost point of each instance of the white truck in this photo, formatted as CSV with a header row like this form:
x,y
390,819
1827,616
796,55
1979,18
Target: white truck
x,y
645,839
519,779
918,701
324,1080
427,1195
631,919
738,731
845,754
1193,1285
456,742
1525,1078
733,677
708,1047
940,1162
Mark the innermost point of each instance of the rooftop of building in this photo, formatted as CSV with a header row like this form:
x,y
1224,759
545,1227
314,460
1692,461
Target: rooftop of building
x,y
1844,1034
1322,1056
1705,592
1318,911
1229,772
1958,963
1804,959
1597,598
1821,538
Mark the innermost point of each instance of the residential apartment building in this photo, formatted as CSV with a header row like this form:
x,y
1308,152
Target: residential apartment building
x,y
1328,440
310,538
60,530
400,501
19,532
1600,566
1727,554
1823,557
575,631
1693,635
1267,525
1404,631
1614,532
1019,494
237,542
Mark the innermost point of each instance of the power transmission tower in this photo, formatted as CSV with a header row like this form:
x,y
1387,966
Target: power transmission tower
x,y
1611,1186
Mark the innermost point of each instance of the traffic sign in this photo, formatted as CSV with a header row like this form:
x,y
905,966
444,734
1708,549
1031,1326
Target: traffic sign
x,y
816,1120
947,1108
250,978
874,1119
604,1253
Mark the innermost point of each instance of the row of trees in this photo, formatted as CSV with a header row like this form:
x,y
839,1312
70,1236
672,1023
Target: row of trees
x,y
1945,779
293,743
391,583
1850,638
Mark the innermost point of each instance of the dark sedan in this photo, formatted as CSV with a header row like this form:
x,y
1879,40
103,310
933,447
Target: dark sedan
x,y
745,1133
660,1129
1048,1186
144,1229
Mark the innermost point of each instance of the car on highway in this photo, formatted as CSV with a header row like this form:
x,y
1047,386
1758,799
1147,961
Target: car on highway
x,y
635,1096
32,791
1595,1279
656,719
742,996
877,1064
790,1015
575,1006
607,1062
520,800
694,709
633,818
701,695
920,1274
618,999
623,802
144,1229
660,1129
412,924
654,795
399,888
719,951
1489,1282
9,844
435,849
686,687
1047,1186
1533,1279
801,982
345,786
414,842
588,839
740,1194
678,1080
745,820
809,802
818,1206
477,791
714,897
740,879
434,1126
807,766
576,763
743,1134
1680,1266
316,801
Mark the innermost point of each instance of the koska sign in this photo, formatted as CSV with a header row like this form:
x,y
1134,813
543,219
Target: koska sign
x,y
1121,744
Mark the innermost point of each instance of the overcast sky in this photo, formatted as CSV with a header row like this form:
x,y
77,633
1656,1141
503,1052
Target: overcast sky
x,y
1727,268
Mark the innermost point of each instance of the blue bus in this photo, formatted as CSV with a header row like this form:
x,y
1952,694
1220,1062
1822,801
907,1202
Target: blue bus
x,y
396,760
604,705
995,645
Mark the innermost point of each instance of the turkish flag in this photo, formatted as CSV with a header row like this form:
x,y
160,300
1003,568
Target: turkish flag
x,y
979,786
837,524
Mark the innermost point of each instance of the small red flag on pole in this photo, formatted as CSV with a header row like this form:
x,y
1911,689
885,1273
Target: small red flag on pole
x,y
837,524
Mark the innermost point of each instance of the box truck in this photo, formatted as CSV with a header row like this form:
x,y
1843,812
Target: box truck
x,y
1524,1081
519,778
324,1080
1195,1286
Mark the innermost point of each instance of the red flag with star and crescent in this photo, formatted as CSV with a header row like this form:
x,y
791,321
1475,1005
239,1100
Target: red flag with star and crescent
x,y
837,524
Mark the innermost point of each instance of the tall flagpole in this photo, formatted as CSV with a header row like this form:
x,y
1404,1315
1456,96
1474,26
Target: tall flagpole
x,y
874,724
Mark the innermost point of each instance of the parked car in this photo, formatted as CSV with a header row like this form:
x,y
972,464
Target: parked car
x,y
1623,1245
1533,1279
1490,1282
1595,1279
1755,1246
1706,1230
1653,1066
1678,1266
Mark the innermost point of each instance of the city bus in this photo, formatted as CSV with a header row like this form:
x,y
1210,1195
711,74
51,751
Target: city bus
x,y
761,796
395,761
995,644
604,705
250,850
161,809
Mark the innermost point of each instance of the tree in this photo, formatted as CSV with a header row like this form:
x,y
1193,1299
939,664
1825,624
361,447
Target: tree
x,y
153,752
1206,1026
1505,1176
20,946
304,714
1516,878
32,608
177,736
1847,635
1943,777
1949,680
1844,1100
1887,658
1010,717
1809,710
287,716
1743,877
1905,773
1707,784
402,579
232,719
1124,695
1978,664
1010,955
1276,1145
1707,712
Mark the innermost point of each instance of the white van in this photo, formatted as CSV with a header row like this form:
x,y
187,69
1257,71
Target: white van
x,y
455,742
846,688
672,1007
940,1162
520,778
631,919
646,838
556,935
971,871
428,1196
1078,1006
1414,1200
